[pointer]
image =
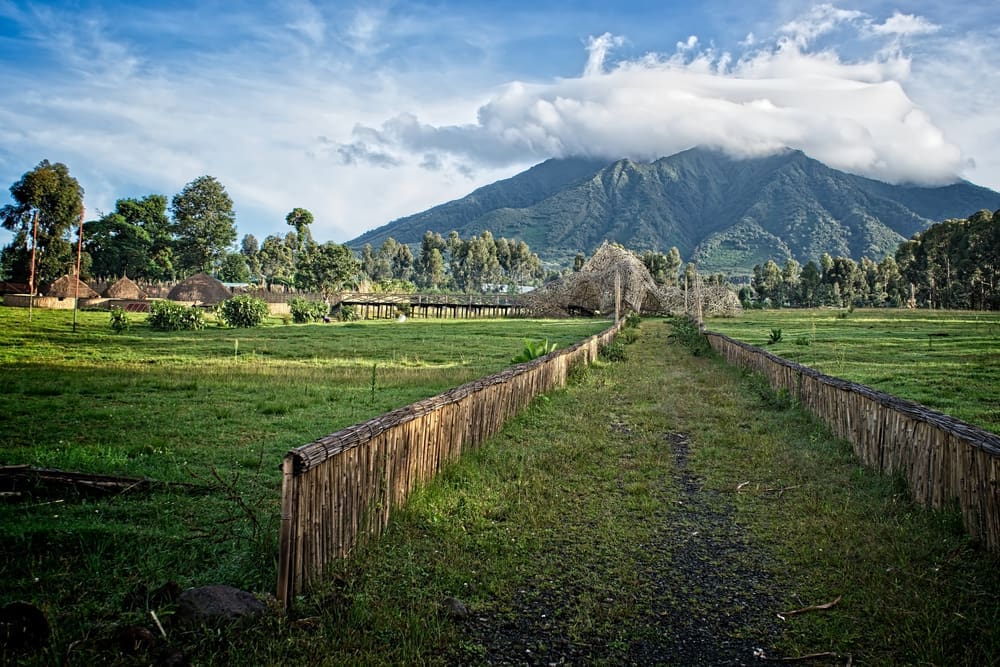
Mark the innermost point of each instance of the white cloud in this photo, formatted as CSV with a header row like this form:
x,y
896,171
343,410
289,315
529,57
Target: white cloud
x,y
905,24
597,49
854,116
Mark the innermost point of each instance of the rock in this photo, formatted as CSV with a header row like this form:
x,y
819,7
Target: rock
x,y
454,608
23,626
210,604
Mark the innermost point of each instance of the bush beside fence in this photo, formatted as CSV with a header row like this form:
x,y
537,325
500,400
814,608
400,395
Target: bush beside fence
x,y
942,459
339,490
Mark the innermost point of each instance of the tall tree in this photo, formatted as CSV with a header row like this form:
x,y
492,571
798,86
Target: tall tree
x,y
57,197
204,222
134,240
335,268
250,249
276,264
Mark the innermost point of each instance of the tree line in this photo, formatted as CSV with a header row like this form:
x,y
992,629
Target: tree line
x,y
953,264
151,239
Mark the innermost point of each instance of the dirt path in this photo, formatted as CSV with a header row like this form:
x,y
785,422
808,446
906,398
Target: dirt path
x,y
693,590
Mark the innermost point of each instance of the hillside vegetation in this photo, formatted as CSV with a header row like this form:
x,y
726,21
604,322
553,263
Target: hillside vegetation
x,y
726,214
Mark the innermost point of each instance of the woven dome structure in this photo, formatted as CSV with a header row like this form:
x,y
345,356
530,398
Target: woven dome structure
x,y
124,288
69,287
201,288
592,290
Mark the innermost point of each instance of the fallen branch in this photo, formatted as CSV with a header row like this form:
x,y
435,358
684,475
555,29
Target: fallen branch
x,y
815,607
759,653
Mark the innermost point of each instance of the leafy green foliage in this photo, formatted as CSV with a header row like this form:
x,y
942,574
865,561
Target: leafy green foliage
x,y
243,311
57,197
613,351
347,313
304,310
119,320
134,240
774,336
686,333
533,349
633,320
204,222
170,316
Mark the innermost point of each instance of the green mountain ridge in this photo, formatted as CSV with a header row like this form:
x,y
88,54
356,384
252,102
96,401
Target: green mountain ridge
x,y
727,214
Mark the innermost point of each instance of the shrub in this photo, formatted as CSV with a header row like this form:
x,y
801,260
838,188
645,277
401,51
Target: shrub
x,y
243,311
774,337
686,333
170,316
534,349
613,351
304,310
347,313
632,321
119,320
627,336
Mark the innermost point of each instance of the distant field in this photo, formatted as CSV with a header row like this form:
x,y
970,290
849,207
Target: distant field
x,y
949,361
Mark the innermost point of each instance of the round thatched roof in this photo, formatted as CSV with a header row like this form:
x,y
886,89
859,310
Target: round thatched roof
x,y
69,286
124,288
202,288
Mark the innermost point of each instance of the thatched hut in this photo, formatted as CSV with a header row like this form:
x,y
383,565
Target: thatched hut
x,y
69,287
200,288
124,288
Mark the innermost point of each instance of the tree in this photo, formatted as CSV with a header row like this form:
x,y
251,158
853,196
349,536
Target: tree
x,y
204,222
300,219
429,264
234,268
57,197
250,249
276,263
133,240
334,269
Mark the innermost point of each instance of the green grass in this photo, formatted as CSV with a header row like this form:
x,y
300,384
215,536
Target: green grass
x,y
567,531
177,406
949,361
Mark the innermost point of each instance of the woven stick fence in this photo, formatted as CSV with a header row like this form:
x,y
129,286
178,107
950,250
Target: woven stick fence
x,y
942,459
340,489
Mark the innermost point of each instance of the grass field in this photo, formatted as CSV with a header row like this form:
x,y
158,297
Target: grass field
x,y
217,408
582,530
949,361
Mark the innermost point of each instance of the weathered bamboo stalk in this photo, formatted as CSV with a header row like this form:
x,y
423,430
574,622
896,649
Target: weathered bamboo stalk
x,y
341,488
943,459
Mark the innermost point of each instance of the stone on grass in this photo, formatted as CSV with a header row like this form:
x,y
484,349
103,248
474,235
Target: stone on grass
x,y
454,608
212,604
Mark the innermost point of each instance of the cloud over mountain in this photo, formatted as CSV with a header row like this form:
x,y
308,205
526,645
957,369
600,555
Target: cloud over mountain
x,y
789,91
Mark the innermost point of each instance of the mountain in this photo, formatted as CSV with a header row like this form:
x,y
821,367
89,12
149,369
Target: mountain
x,y
726,213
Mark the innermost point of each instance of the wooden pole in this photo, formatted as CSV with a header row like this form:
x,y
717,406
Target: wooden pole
x,y
79,256
31,277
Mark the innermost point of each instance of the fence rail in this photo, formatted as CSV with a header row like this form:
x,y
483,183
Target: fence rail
x,y
943,459
340,489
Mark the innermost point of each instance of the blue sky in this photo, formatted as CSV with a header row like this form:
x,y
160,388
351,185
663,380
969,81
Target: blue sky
x,y
363,112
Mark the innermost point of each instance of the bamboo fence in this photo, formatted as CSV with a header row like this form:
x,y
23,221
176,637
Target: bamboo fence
x,y
340,489
942,459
